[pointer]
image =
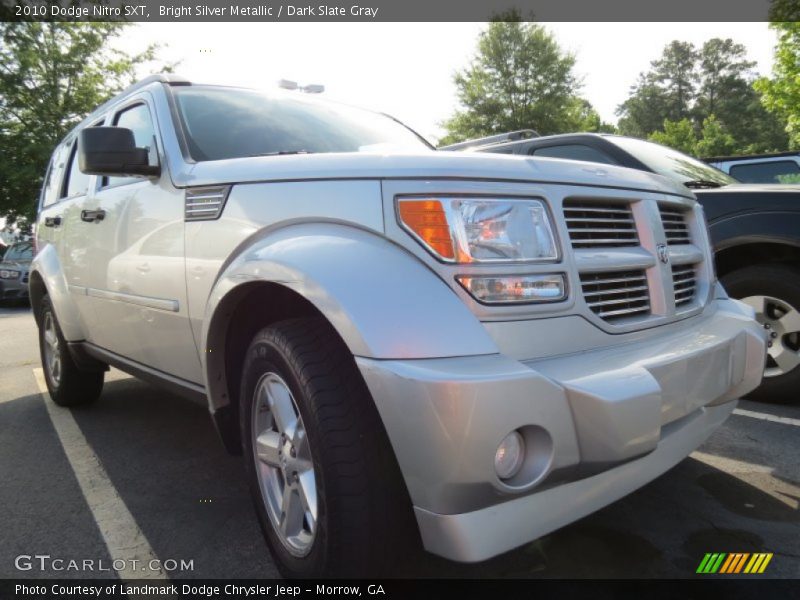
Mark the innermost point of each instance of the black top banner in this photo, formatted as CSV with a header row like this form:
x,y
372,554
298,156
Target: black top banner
x,y
401,10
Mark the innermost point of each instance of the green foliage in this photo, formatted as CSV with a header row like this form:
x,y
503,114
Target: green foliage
x,y
714,140
781,93
677,134
519,78
789,178
711,88
711,140
51,76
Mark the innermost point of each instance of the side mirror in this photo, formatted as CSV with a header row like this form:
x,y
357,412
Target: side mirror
x,y
112,151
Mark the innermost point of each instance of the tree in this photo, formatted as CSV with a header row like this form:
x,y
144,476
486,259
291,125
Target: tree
x,y
714,81
714,139
677,134
682,135
519,78
51,76
781,93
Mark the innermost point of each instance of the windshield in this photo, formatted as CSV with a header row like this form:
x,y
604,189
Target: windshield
x,y
22,251
671,163
221,123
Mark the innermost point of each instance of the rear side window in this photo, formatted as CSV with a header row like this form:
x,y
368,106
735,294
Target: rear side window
x,y
766,172
137,119
52,186
574,152
77,182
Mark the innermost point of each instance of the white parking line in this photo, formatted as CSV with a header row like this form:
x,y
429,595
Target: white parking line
x,y
122,536
766,417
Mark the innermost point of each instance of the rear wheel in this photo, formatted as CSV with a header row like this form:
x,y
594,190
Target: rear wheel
x,y
774,292
68,385
327,490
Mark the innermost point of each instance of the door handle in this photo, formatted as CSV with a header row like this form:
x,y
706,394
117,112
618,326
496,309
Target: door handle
x,y
52,221
143,268
92,216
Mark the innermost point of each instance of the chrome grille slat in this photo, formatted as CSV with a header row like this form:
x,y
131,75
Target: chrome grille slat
x,y
623,312
600,224
644,298
615,291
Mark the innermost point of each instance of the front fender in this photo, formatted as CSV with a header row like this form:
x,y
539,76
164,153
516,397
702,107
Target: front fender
x,y
383,302
47,265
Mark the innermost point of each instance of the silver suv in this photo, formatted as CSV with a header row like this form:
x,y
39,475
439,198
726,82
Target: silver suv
x,y
463,350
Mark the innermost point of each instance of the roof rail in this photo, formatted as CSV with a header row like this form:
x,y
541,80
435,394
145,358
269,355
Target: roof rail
x,y
511,136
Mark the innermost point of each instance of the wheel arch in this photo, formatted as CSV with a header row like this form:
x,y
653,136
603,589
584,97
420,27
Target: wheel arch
x,y
756,250
47,278
382,301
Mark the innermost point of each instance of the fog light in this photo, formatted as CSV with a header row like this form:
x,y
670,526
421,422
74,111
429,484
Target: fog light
x,y
509,456
515,289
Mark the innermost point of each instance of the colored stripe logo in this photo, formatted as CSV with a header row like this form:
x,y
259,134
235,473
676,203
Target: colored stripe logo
x,y
734,562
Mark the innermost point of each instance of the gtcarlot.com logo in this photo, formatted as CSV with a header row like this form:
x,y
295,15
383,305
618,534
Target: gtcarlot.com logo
x,y
734,563
46,562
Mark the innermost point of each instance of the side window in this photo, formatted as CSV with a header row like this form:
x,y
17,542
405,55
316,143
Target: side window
x,y
137,119
77,182
52,187
766,172
574,152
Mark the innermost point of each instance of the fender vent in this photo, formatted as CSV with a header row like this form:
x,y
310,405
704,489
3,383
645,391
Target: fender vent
x,y
674,221
600,224
615,295
206,203
684,281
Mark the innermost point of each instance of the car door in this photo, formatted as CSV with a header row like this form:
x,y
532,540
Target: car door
x,y
134,305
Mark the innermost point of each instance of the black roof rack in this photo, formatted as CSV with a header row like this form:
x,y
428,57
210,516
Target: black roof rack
x,y
511,136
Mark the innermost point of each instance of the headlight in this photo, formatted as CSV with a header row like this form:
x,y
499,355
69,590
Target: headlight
x,y
480,230
9,274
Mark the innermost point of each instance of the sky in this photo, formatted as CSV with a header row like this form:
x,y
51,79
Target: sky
x,y
406,69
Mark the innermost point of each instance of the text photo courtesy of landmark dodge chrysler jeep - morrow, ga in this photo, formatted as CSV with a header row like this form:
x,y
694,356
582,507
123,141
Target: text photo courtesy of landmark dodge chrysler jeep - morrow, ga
x,y
445,349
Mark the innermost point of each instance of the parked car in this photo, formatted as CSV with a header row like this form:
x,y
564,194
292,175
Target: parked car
x,y
779,167
14,270
405,345
755,230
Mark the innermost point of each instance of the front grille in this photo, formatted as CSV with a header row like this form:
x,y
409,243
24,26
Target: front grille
x,y
600,224
615,295
674,221
684,281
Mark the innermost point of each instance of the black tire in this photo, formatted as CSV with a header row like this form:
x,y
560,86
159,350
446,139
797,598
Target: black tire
x,y
364,519
781,282
71,386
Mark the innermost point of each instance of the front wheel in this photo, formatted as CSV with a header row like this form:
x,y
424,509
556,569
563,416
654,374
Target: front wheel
x,y
326,487
774,292
68,385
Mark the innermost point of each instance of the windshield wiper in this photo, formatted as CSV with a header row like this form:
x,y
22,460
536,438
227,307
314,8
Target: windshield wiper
x,y
280,153
702,183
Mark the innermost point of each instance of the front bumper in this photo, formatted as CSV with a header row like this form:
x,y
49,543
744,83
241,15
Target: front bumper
x,y
599,424
12,289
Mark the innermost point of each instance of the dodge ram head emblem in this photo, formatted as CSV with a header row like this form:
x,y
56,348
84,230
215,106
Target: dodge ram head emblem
x,y
663,253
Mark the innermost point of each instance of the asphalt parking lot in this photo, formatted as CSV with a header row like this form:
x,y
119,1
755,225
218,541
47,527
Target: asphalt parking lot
x,y
146,465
